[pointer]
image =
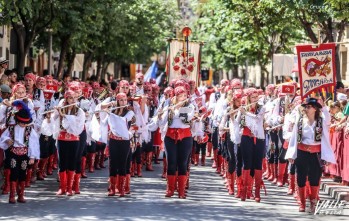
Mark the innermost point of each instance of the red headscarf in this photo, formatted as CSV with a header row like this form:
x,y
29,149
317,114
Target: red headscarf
x,y
120,96
16,87
30,76
69,93
179,90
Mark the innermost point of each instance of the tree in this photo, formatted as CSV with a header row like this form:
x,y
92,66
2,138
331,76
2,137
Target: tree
x,y
28,19
238,31
330,17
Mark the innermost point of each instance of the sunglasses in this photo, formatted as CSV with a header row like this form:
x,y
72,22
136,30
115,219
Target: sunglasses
x,y
124,87
308,107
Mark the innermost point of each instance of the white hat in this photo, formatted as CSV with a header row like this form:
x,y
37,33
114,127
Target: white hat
x,y
341,97
3,60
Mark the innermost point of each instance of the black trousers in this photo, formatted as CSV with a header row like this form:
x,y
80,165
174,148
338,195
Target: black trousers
x,y
91,148
44,146
308,165
52,146
200,147
118,151
239,161
137,155
177,153
80,151
7,164
148,147
67,152
282,155
274,155
18,166
128,162
252,154
100,147
231,156
293,169
215,138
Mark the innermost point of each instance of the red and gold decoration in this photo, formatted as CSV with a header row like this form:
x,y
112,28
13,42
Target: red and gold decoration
x,y
183,58
317,70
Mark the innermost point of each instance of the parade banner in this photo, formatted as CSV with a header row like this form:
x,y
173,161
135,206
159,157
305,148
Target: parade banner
x,y
317,69
183,60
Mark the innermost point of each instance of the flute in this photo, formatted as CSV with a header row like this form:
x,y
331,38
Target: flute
x,y
236,110
272,128
173,106
110,109
51,111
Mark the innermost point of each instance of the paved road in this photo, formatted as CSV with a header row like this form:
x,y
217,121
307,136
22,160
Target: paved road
x,y
207,200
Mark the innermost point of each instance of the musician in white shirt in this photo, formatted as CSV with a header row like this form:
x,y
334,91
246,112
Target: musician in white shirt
x,y
309,148
178,140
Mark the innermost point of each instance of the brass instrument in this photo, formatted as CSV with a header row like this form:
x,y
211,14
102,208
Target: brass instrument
x,y
103,94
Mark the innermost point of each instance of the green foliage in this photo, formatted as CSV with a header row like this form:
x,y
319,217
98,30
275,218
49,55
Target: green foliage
x,y
116,30
239,30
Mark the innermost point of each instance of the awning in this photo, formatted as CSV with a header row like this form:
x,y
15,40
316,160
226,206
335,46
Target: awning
x,y
284,64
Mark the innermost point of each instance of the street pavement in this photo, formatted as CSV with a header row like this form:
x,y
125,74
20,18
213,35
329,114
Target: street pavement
x,y
207,200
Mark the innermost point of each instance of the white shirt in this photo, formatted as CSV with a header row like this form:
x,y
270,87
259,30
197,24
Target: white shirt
x,y
33,141
308,138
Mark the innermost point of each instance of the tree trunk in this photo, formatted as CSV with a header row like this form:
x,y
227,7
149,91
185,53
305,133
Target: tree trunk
x,y
235,71
263,72
20,48
338,64
87,62
62,56
117,67
100,62
70,61
104,69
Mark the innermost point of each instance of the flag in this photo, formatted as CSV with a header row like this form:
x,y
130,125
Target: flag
x,y
184,62
317,68
151,72
158,79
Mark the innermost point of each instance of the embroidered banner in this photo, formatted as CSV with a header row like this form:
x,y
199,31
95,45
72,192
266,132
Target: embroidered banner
x,y
317,69
184,62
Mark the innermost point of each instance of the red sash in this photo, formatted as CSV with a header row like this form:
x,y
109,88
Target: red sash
x,y
19,151
309,148
178,133
63,135
114,137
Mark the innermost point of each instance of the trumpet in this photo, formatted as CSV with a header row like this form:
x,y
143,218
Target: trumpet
x,y
110,109
51,111
103,94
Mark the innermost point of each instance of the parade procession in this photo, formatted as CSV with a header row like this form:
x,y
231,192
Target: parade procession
x,y
73,130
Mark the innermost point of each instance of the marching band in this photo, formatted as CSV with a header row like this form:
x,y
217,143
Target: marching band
x,y
254,136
